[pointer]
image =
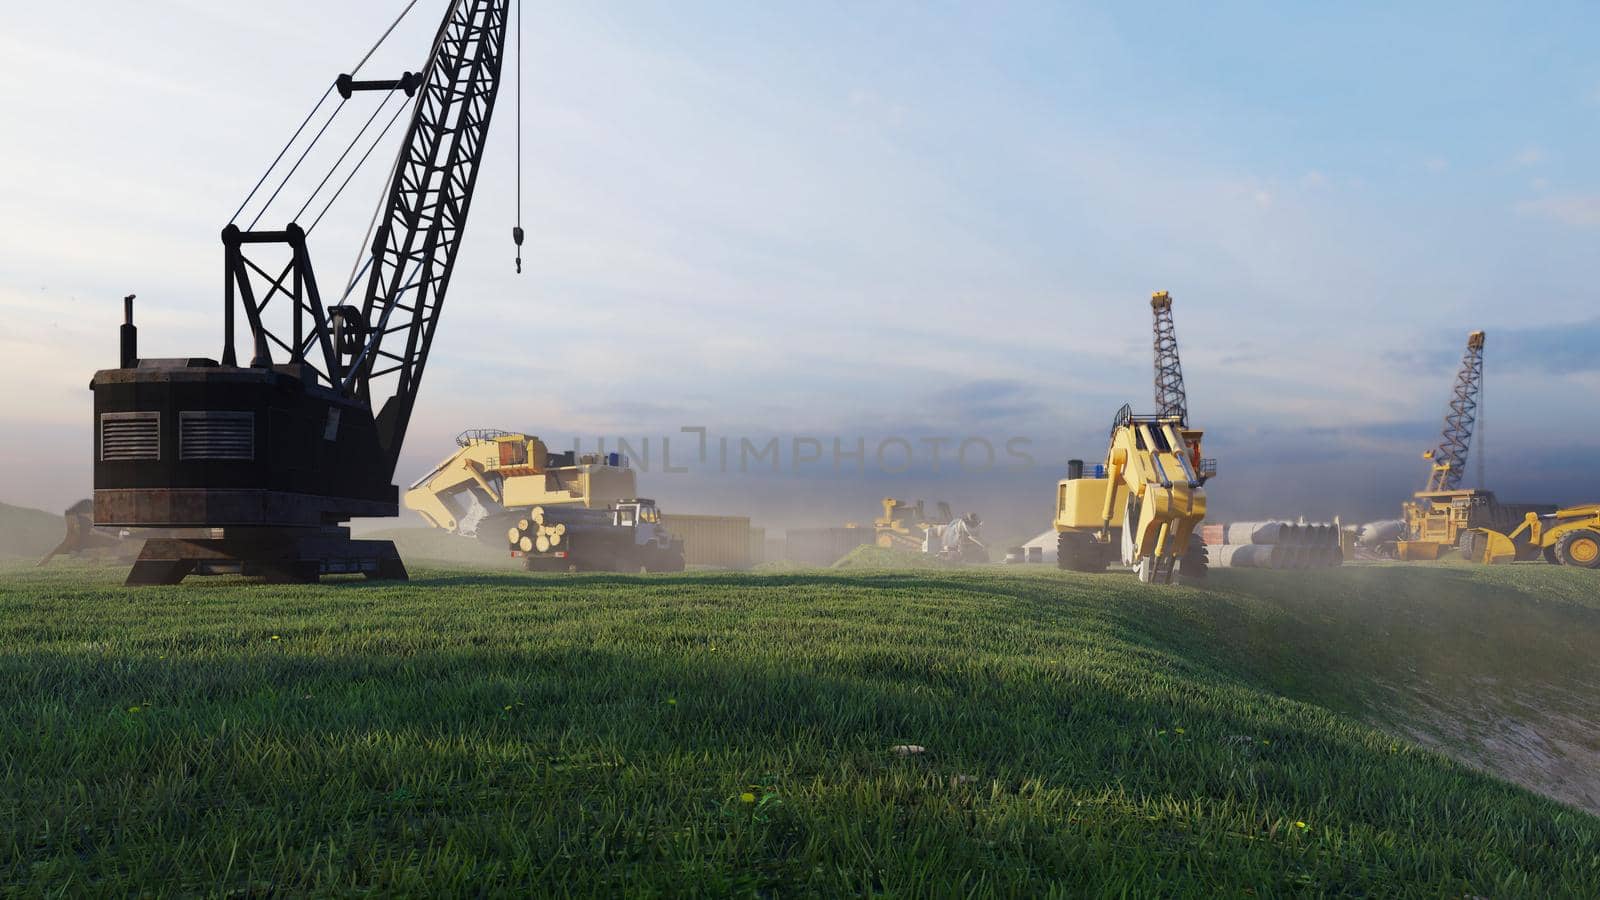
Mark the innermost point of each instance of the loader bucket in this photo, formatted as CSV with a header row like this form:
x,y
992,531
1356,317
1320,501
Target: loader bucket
x,y
1489,547
1417,550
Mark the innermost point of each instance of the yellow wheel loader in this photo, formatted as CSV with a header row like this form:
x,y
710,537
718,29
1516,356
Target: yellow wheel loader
x,y
1141,506
1567,537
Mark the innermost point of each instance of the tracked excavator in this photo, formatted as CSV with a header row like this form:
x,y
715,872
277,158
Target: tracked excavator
x,y
1143,504
260,462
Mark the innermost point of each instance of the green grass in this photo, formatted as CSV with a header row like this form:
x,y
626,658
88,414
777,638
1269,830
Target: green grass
x,y
731,734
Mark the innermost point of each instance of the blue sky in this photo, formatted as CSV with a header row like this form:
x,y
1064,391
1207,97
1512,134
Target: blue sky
x,y
880,219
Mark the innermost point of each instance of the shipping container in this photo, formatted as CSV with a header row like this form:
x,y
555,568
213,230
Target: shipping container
x,y
758,546
823,546
721,541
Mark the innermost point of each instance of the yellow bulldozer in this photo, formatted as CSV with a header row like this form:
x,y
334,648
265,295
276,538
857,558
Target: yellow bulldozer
x,y
904,525
1566,537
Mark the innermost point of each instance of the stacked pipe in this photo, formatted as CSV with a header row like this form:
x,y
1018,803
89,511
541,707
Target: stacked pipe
x,y
1273,545
546,528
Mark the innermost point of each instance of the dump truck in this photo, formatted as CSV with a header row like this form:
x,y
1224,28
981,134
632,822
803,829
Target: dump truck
x,y
565,511
1141,506
1565,537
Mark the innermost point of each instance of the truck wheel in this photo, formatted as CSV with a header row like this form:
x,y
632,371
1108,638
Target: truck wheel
x,y
1579,548
1196,561
667,561
1075,553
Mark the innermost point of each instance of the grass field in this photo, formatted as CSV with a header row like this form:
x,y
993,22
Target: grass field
x,y
734,734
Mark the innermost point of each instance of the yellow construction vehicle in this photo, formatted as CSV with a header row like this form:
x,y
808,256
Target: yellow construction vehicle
x,y
1145,500
904,525
502,486
1439,517
1566,537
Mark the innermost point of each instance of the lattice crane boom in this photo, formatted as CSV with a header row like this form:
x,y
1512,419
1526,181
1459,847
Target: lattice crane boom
x,y
420,229
1171,398
1455,442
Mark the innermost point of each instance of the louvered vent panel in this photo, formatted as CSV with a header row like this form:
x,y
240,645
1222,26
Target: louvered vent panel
x,y
130,436
209,434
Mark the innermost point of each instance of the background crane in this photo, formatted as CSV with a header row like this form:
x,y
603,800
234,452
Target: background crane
x,y
1450,458
1171,399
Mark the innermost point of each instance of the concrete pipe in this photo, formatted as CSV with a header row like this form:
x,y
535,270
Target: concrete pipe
x,y
1221,555
1254,532
1252,556
1375,533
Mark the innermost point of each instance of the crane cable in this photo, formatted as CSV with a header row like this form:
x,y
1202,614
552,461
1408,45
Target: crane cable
x,y
358,267
298,131
516,230
279,158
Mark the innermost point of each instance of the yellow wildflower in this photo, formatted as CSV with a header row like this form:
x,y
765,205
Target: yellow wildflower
x,y
747,797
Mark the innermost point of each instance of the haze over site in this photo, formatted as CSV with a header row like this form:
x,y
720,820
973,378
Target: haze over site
x,y
873,222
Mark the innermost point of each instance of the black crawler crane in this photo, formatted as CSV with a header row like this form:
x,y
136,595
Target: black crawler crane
x,y
257,466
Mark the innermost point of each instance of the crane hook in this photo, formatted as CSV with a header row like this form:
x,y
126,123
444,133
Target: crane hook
x,y
516,236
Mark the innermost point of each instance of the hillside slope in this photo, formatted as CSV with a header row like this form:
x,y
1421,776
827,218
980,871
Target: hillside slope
x,y
974,731
28,533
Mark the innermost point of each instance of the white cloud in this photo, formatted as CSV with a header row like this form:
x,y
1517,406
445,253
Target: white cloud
x,y
1530,155
1577,210
1436,164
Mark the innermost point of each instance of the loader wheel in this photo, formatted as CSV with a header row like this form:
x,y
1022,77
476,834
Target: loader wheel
x,y
1195,562
1471,546
1550,556
1580,548
1075,553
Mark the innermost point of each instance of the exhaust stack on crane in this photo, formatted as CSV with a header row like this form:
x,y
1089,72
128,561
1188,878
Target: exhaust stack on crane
x,y
1144,503
268,458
